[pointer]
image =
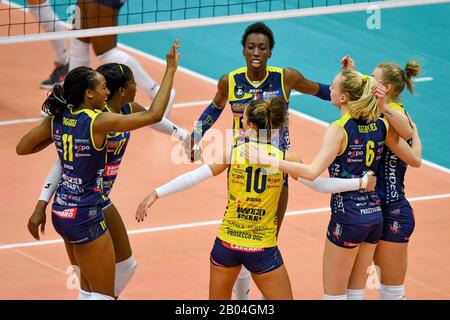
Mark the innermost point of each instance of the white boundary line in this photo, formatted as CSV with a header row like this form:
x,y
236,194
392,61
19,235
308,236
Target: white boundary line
x,y
167,25
203,223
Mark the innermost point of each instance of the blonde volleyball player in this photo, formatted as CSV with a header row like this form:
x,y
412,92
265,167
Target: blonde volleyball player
x,y
352,146
391,254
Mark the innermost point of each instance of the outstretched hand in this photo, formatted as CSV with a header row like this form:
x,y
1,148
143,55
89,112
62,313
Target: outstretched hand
x,y
347,63
173,56
142,210
379,91
371,181
192,150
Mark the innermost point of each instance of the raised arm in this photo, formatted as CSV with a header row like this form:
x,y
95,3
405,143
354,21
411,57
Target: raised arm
x,y
399,120
36,139
412,155
293,79
108,121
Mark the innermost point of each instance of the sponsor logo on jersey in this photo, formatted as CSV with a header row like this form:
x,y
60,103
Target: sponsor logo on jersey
x,y
337,231
270,94
111,170
70,213
240,248
395,227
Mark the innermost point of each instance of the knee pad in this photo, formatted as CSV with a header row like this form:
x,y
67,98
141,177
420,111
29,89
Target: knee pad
x,y
124,272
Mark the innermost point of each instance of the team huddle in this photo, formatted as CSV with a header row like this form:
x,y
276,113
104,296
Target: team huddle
x,y
366,151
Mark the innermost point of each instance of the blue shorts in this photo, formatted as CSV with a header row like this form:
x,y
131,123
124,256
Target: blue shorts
x,y
106,204
78,225
399,221
115,4
256,260
348,235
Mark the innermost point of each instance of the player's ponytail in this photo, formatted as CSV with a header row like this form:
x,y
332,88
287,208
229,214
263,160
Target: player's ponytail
x,y
71,93
116,75
55,102
362,103
392,73
267,115
412,69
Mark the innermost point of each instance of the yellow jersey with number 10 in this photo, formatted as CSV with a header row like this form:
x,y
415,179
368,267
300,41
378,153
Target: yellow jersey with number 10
x,y
253,192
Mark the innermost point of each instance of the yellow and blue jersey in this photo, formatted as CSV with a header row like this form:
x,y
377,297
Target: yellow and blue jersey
x,y
250,218
361,153
391,172
116,146
82,162
241,91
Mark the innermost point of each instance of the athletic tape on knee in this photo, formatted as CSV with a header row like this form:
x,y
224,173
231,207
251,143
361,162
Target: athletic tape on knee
x,y
124,272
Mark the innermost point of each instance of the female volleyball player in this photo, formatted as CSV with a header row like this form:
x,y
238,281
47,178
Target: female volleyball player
x,y
122,87
352,145
248,233
391,254
79,130
104,13
255,81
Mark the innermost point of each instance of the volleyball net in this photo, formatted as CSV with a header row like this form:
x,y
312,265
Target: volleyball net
x,y
149,15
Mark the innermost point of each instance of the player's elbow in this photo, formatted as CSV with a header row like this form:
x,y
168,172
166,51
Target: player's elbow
x,y
158,116
21,151
416,163
311,175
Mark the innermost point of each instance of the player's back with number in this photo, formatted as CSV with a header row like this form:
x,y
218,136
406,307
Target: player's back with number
x,y
82,162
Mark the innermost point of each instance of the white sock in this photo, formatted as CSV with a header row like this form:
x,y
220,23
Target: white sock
x,y
168,127
50,23
355,294
124,271
83,295
99,296
241,287
142,78
392,292
330,297
79,54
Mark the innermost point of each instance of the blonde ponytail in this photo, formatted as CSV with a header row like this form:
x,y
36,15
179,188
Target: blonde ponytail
x,y
362,103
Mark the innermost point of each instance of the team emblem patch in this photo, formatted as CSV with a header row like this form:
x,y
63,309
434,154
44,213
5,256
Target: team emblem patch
x,y
239,91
